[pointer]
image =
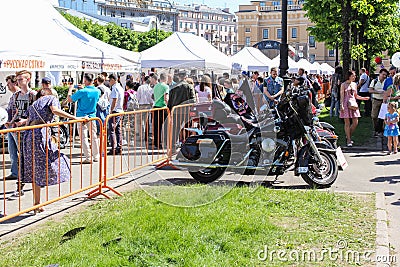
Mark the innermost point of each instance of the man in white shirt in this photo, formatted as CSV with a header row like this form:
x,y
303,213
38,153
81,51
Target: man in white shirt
x,y
364,91
377,93
144,94
114,124
144,97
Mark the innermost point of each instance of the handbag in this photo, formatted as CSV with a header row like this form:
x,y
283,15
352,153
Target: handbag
x,y
352,104
54,138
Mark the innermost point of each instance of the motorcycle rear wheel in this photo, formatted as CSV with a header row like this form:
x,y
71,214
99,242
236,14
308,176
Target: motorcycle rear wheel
x,y
322,175
208,175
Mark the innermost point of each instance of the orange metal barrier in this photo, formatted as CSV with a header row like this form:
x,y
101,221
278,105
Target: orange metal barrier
x,y
138,148
64,172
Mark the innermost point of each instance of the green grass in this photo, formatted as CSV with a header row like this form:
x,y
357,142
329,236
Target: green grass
x,y
362,135
229,232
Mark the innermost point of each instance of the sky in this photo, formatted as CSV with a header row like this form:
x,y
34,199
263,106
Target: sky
x,y
232,4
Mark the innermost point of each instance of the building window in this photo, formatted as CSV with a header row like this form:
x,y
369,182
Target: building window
x,y
311,41
122,14
247,29
276,3
279,34
247,41
196,26
220,28
186,25
262,3
226,38
331,52
132,14
265,33
290,3
206,26
294,32
312,58
201,26
191,25
180,24
226,28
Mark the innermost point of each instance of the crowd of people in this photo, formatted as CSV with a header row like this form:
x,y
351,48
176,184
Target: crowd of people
x,y
103,95
380,96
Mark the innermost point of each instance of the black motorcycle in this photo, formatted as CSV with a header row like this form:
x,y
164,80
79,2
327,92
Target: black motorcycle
x,y
273,143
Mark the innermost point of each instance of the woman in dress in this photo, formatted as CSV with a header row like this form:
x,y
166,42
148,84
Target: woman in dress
x,y
38,146
348,105
204,89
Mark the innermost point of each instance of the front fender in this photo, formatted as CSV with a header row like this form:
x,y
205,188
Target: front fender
x,y
326,125
326,147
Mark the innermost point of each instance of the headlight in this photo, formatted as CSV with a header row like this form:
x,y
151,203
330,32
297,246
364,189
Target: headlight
x,y
268,145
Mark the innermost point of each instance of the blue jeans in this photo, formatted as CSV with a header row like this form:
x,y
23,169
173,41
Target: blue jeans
x,y
13,151
335,106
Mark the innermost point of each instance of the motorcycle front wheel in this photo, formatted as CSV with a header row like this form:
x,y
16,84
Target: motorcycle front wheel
x,y
207,175
324,174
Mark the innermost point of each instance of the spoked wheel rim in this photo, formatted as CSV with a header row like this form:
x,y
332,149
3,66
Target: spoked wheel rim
x,y
322,172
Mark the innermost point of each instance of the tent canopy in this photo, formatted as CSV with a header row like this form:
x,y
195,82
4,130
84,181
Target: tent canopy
x,y
293,66
48,42
327,69
251,59
185,50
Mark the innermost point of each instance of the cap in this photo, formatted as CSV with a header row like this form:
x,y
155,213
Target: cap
x,y
182,73
46,80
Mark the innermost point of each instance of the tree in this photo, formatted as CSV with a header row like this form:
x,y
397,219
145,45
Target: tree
x,y
118,36
363,28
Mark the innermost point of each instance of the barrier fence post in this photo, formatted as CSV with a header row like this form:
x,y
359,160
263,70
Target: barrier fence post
x,y
168,161
103,160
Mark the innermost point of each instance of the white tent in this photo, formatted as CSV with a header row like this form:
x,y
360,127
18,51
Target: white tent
x,y
315,68
327,69
305,64
185,50
293,66
45,41
251,59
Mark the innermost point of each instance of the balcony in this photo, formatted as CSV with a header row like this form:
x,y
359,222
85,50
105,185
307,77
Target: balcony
x,y
279,8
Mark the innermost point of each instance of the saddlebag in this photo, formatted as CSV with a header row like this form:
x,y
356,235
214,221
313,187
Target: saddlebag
x,y
203,148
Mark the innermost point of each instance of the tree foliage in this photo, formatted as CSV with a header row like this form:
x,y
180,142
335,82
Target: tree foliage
x,y
119,36
373,25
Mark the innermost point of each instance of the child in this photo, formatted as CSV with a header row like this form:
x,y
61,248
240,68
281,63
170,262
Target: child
x,y
391,128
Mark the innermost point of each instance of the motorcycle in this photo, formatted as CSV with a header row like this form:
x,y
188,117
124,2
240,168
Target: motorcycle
x,y
286,140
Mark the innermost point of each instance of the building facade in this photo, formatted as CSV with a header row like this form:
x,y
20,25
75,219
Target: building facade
x,y
217,26
128,12
260,23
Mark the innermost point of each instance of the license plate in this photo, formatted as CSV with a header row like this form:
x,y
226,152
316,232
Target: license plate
x,y
302,170
341,159
204,141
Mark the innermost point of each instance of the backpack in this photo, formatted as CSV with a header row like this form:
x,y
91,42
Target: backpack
x,y
132,103
103,101
372,83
